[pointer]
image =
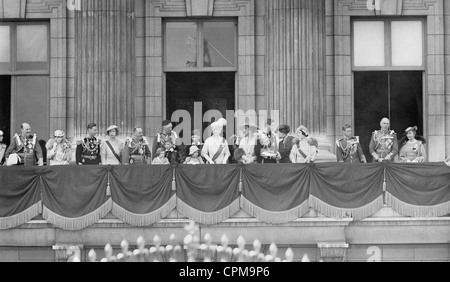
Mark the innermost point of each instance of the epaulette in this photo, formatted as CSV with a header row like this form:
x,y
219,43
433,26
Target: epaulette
x,y
375,132
338,142
393,132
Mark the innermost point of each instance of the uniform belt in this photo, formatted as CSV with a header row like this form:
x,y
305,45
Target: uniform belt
x,y
89,157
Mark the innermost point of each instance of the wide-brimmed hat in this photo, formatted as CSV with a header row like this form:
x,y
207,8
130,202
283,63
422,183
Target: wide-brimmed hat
x,y
251,126
112,127
59,133
193,149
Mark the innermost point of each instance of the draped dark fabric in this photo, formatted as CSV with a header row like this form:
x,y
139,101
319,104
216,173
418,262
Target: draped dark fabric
x,y
275,193
142,195
346,190
75,199
419,190
20,196
208,194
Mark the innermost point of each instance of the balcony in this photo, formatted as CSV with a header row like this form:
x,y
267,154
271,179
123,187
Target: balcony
x,y
399,209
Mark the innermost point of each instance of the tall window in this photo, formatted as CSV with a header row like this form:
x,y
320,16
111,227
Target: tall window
x,y
388,65
200,45
24,48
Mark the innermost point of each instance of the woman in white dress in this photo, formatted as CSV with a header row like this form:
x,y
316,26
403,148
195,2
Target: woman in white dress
x,y
111,149
215,150
304,149
59,149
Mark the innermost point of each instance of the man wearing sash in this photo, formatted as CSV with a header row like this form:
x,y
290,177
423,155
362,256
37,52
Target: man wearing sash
x,y
24,149
2,149
383,144
348,148
166,134
136,150
215,150
88,149
285,144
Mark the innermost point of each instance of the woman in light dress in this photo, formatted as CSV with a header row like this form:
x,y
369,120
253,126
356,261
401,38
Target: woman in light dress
x,y
111,149
59,149
304,149
412,147
215,150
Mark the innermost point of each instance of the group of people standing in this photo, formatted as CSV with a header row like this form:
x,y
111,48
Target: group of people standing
x,y
251,145
384,146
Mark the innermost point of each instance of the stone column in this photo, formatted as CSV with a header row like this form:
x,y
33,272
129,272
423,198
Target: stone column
x,y
105,65
296,67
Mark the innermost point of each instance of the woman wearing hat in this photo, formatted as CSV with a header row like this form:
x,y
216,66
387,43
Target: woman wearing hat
x,y
304,149
59,149
111,150
215,150
285,144
412,147
194,157
250,143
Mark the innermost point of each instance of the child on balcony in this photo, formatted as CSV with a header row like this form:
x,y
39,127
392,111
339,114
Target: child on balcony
x,y
194,157
161,157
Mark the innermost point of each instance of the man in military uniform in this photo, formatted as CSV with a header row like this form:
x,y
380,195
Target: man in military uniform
x,y
164,136
24,149
88,149
383,144
349,149
2,149
136,150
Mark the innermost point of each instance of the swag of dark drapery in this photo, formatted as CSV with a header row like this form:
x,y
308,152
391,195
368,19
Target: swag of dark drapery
x,y
75,197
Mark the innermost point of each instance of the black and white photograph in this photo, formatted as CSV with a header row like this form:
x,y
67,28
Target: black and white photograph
x,y
224,131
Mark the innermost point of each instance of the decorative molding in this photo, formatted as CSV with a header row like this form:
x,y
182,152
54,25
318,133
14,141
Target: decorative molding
x,y
359,7
12,9
196,8
46,7
224,7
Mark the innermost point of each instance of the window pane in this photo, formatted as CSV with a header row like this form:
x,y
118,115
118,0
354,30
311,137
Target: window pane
x,y
181,45
407,43
5,51
32,43
5,44
219,44
32,47
369,44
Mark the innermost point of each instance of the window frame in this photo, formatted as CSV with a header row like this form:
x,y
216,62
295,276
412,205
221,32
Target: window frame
x,y
388,45
13,48
200,50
